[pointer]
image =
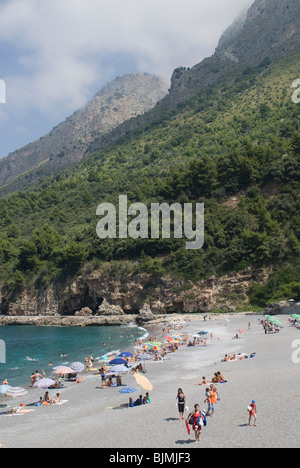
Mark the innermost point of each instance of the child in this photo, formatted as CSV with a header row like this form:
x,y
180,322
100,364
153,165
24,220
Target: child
x,y
252,413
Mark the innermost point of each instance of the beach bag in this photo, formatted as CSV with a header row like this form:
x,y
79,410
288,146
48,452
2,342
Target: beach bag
x,y
191,420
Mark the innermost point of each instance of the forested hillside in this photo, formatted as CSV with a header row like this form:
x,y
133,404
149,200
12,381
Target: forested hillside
x,y
235,146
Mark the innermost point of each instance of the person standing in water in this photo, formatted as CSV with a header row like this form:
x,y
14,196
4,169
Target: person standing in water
x,y
181,403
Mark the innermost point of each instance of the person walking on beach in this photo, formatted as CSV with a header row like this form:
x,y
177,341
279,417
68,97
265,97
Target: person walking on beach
x,y
198,422
181,403
212,401
252,413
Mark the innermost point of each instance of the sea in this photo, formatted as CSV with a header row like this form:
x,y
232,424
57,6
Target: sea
x,y
29,348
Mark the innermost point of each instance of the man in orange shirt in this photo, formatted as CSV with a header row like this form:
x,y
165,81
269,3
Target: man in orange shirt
x,y
212,401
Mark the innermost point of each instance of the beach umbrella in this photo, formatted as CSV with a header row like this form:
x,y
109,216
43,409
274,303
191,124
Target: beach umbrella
x,y
4,389
128,390
16,392
63,370
154,343
118,369
143,382
118,361
126,354
77,367
145,357
44,383
170,339
205,332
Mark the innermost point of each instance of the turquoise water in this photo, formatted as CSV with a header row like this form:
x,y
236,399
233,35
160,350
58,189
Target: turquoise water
x,y
47,344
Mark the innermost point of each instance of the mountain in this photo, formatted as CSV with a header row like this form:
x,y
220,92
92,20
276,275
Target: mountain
x,y
269,30
266,31
233,145
120,100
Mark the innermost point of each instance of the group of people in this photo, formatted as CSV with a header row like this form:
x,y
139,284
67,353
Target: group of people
x,y
47,400
140,401
197,418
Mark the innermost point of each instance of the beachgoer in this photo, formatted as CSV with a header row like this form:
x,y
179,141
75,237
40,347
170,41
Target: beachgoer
x,y
212,401
139,401
181,403
57,400
197,425
252,413
47,397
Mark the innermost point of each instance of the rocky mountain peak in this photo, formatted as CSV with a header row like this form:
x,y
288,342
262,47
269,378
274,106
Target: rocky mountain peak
x,y
123,98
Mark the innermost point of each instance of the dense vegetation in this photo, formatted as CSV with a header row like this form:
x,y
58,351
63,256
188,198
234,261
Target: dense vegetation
x,y
235,147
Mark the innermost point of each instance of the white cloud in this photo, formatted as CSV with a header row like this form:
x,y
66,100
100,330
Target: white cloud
x,y
62,43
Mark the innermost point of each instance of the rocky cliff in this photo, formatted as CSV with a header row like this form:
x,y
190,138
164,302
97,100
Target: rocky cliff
x,y
269,30
103,293
122,99
260,35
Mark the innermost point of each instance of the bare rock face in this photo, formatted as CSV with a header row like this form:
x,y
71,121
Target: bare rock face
x,y
107,310
85,312
120,100
267,31
145,314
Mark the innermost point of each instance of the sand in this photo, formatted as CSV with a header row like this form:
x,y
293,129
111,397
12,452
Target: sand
x,y
271,378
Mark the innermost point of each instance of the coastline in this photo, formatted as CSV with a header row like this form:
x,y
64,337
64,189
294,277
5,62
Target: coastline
x,y
86,421
112,320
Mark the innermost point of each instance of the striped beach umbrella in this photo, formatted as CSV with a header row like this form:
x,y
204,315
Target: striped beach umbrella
x,y
63,370
77,367
16,392
44,383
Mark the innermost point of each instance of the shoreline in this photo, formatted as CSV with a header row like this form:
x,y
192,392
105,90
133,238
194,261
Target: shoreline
x,y
102,418
112,320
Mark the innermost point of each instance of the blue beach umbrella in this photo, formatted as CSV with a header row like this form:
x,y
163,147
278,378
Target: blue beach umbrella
x,y
126,354
77,367
118,361
128,390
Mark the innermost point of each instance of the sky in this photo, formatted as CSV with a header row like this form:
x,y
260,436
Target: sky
x,y
55,55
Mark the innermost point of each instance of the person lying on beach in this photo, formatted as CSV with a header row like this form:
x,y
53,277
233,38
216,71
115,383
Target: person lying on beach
x,y
204,382
57,400
236,337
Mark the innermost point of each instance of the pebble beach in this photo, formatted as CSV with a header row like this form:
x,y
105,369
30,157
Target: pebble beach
x,y
95,418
